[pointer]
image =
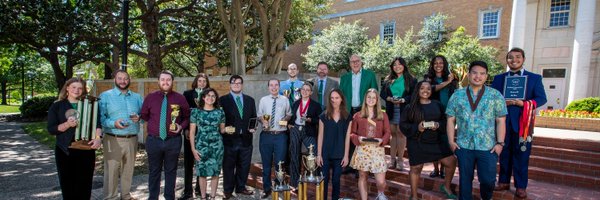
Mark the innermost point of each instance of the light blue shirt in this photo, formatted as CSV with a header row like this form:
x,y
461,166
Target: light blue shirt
x,y
356,88
238,95
115,105
287,84
324,86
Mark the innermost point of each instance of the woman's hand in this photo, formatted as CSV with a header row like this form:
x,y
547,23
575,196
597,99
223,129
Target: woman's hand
x,y
435,126
71,122
196,154
319,161
421,127
345,161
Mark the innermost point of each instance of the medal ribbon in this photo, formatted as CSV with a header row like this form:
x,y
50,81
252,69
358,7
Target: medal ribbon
x,y
474,105
527,119
304,108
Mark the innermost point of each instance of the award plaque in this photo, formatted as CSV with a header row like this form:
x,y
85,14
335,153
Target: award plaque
x,y
429,125
514,87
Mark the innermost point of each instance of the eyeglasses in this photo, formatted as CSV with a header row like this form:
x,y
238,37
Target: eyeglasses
x,y
211,96
236,83
355,61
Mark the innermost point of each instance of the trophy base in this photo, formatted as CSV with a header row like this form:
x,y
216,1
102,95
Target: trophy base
x,y
311,179
373,140
81,145
281,188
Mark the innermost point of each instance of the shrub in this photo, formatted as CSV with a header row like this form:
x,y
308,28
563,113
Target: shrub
x,y
585,104
37,107
597,109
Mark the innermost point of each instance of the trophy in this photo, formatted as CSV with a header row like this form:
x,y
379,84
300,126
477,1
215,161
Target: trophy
x,y
174,115
297,94
86,113
287,93
280,175
267,118
310,164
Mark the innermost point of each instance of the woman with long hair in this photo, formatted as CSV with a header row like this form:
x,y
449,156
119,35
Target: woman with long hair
x,y
443,85
333,131
370,131
192,96
207,122
396,93
75,166
424,124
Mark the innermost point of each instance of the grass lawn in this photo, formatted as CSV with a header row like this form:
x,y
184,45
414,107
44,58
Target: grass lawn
x,y
9,109
38,131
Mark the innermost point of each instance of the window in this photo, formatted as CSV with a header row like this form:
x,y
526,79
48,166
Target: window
x,y
559,13
489,23
388,30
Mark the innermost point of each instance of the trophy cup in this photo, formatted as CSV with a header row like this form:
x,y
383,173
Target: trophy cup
x,y
267,118
310,164
287,93
280,175
174,115
86,113
297,94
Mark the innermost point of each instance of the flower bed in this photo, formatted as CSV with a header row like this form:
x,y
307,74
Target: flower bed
x,y
584,124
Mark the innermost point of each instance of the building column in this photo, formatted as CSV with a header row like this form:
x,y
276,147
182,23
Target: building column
x,y
582,50
517,24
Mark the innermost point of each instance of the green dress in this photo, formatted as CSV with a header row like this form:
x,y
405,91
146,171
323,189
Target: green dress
x,y
208,141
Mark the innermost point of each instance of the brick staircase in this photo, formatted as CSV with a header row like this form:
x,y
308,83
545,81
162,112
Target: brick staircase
x,y
559,169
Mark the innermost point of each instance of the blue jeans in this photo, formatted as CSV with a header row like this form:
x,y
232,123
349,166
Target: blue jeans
x,y
273,147
336,167
486,172
162,153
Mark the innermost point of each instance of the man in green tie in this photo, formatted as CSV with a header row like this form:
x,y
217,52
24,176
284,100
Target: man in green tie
x,y
291,88
323,84
163,144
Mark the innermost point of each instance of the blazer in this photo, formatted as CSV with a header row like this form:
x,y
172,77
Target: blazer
x,y
56,116
233,118
190,96
387,92
313,112
533,91
330,84
367,81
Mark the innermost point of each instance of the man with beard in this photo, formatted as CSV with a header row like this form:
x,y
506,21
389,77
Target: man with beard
x,y
119,108
322,84
164,138
292,85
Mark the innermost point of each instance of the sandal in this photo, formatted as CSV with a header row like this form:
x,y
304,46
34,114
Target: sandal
x,y
434,174
448,194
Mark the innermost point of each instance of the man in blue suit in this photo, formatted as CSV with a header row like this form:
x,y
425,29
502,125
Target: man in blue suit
x,y
514,160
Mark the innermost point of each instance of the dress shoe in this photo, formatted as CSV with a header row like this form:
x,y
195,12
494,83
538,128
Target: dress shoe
x,y
521,193
245,192
185,197
502,186
227,195
266,194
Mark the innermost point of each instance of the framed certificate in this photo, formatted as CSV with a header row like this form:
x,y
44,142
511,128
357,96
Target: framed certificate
x,y
514,87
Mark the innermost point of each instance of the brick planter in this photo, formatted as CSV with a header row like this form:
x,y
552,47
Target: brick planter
x,y
568,123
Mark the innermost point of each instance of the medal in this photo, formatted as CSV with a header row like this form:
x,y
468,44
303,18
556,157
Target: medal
x,y
521,140
529,138
300,128
523,148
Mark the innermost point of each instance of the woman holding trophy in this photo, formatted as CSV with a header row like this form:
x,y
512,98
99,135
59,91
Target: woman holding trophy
x,y
370,131
75,166
207,122
333,131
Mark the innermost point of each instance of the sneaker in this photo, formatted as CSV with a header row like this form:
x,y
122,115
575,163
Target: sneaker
x,y
381,196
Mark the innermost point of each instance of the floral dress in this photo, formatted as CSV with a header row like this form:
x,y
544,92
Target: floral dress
x,y
208,141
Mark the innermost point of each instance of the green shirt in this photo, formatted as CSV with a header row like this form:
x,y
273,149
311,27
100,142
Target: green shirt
x,y
397,87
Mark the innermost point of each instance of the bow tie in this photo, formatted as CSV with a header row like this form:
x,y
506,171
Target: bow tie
x,y
518,73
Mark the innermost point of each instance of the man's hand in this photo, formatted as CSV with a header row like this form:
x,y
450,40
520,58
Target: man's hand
x,y
497,149
118,124
453,146
178,128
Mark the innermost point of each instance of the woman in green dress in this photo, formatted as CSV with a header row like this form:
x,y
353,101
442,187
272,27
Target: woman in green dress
x,y
208,120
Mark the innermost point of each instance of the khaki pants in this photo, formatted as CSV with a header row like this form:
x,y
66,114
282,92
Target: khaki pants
x,y
119,160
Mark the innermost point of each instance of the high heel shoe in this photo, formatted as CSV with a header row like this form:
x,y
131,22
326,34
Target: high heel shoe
x,y
448,194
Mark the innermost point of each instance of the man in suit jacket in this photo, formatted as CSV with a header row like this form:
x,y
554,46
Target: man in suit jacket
x,y
322,84
513,159
239,109
355,84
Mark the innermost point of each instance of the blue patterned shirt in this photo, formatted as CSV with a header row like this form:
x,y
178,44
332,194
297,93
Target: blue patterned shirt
x,y
115,105
476,130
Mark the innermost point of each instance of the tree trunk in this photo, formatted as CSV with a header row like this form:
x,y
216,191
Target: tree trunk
x,y
233,21
274,19
150,24
52,57
4,92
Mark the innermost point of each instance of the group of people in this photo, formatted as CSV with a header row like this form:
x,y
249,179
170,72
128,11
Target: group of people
x,y
434,119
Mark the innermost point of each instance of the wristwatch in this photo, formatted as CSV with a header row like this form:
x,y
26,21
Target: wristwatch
x,y
500,143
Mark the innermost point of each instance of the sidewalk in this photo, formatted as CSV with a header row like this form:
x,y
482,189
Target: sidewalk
x,y
28,171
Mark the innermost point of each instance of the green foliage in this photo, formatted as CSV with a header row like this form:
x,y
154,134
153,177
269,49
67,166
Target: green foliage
x,y
9,109
38,131
336,44
376,55
590,104
37,107
597,109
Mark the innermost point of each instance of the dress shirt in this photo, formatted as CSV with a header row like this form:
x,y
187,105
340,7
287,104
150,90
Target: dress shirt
x,y
298,120
356,88
285,85
115,105
151,111
236,96
282,110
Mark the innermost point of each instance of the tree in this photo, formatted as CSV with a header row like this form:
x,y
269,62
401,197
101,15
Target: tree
x,y
336,44
237,23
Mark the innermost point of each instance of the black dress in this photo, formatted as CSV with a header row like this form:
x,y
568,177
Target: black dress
x,y
427,146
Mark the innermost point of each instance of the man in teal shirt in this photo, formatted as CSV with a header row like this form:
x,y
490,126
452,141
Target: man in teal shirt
x,y
355,84
480,113
120,109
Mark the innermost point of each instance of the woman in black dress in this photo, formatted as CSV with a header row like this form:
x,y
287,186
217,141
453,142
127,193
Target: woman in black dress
x,y
423,122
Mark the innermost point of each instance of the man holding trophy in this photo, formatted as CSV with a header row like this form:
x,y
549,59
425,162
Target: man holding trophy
x,y
291,88
167,113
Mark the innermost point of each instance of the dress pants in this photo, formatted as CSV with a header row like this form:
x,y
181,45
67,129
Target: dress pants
x,y
486,172
335,166
119,161
75,172
273,147
513,161
162,154
297,140
236,166
188,165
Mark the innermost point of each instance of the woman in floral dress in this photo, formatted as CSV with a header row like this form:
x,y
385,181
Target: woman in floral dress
x,y
208,120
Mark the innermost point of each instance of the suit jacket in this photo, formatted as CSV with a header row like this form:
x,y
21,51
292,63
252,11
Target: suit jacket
x,y
233,118
313,112
330,84
190,96
367,81
533,91
387,92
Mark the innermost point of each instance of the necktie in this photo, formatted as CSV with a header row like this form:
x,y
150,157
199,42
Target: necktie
x,y
163,119
292,91
321,92
238,101
272,122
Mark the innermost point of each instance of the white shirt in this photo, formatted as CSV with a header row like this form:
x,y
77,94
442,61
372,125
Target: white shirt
x,y
282,110
356,88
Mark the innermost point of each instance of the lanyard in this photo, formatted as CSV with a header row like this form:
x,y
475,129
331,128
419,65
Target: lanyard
x,y
304,108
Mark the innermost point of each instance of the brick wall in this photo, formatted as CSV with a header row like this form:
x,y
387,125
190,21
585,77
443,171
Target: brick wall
x,y
568,123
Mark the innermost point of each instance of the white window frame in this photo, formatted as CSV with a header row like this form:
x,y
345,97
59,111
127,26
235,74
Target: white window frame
x,y
498,22
558,12
382,26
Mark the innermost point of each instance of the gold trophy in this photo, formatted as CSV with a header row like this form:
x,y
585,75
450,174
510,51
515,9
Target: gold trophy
x,y
267,118
287,93
280,175
174,115
310,164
